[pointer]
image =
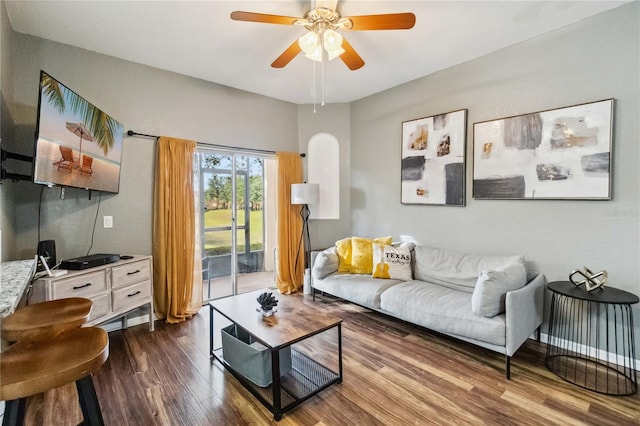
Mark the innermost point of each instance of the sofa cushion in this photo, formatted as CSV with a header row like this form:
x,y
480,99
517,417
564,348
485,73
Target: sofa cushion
x,y
326,263
491,289
362,253
392,262
457,271
356,288
442,309
343,250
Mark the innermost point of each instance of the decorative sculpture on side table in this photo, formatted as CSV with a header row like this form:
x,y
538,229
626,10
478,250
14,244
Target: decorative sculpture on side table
x,y
591,281
267,303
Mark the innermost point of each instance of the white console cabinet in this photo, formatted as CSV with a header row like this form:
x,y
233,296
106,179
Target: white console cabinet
x,y
115,289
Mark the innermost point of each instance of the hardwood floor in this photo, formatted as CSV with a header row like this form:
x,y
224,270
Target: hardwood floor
x,y
394,374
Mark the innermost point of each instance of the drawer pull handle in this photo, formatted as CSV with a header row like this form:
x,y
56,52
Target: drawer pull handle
x,y
134,272
78,287
134,294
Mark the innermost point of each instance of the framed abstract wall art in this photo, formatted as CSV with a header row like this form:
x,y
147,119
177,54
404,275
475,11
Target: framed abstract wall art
x,y
433,159
562,153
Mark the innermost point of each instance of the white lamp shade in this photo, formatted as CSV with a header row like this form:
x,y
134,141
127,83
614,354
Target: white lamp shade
x,y
332,40
316,55
305,193
308,42
335,53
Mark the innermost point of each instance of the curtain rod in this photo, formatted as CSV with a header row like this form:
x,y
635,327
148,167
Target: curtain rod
x,y
232,148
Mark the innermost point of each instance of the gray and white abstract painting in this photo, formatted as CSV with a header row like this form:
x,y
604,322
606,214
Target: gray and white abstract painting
x,y
563,153
433,159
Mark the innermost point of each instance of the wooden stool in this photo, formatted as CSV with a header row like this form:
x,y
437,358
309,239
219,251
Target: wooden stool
x,y
29,368
46,319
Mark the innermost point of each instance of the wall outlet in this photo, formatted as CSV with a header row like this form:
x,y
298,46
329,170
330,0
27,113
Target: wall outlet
x,y
107,221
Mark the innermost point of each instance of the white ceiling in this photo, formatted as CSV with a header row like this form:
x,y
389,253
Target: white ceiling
x,y
198,39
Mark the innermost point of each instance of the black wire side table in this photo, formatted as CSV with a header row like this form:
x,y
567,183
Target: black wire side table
x,y
591,342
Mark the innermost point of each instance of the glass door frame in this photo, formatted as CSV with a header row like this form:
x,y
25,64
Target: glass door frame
x,y
234,227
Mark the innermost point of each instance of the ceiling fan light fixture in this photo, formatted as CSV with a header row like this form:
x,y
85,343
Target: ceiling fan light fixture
x,y
332,43
316,54
332,40
321,19
335,53
309,43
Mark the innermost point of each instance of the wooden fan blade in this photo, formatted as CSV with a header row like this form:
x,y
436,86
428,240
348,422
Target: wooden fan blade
x,y
286,56
390,21
263,18
350,57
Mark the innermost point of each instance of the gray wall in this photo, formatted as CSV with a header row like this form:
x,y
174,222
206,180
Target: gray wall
x,y
143,99
336,120
592,60
7,190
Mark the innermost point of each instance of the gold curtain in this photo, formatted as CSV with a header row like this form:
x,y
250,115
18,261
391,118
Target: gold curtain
x,y
289,275
177,295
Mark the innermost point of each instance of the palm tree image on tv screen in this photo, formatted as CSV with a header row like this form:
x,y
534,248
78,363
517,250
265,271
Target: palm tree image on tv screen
x,y
77,144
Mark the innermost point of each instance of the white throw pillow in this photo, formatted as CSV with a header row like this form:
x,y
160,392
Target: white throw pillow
x,y
392,262
326,263
492,286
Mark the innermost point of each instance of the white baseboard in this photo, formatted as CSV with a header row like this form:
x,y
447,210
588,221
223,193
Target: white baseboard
x,y
589,351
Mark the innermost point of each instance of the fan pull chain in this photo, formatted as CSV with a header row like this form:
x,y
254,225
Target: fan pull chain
x,y
322,78
314,86
322,51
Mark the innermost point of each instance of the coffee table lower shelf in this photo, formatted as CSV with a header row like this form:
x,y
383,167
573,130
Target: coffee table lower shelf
x,y
306,378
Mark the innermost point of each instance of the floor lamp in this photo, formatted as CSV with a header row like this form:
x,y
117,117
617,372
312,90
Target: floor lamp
x,y
305,194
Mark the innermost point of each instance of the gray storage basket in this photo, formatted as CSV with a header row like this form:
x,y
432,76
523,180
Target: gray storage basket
x,y
251,358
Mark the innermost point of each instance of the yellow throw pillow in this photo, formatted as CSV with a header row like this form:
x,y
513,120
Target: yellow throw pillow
x,y
383,241
343,250
362,253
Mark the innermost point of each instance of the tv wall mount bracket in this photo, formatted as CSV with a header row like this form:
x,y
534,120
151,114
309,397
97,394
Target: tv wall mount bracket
x,y
15,177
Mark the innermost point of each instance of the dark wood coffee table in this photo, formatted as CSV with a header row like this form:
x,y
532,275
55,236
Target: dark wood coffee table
x,y
292,323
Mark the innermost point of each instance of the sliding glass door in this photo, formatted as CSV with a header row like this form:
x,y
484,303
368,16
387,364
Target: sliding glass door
x,y
237,222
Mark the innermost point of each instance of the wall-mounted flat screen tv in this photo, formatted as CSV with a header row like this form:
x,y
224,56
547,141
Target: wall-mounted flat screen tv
x,y
77,144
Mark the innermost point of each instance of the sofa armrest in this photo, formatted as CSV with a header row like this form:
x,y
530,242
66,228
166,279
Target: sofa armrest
x,y
314,256
524,313
323,263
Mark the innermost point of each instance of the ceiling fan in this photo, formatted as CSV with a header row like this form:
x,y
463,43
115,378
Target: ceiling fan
x,y
322,23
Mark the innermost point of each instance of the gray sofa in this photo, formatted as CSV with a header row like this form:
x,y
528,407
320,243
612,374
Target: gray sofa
x,y
469,297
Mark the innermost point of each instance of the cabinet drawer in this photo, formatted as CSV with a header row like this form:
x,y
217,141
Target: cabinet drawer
x,y
130,273
131,296
85,285
101,306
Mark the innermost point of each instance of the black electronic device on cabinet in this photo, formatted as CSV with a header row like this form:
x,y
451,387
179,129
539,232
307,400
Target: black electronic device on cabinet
x,y
91,261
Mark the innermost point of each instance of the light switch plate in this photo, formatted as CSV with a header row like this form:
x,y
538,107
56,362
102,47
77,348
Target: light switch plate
x,y
107,221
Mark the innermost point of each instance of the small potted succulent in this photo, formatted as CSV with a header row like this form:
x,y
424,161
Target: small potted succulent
x,y
267,302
